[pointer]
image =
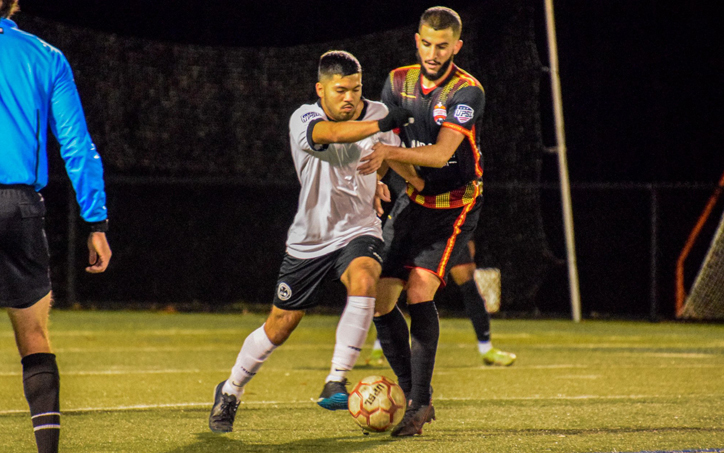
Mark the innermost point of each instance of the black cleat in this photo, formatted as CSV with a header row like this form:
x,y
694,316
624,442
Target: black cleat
x,y
223,412
415,417
334,396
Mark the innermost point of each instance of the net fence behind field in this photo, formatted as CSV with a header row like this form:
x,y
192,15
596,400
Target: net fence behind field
x,y
191,113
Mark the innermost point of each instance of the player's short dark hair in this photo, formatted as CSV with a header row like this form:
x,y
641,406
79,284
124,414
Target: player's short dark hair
x,y
338,62
441,18
8,8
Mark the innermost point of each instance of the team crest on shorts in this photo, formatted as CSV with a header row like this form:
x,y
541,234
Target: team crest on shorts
x,y
464,113
439,113
284,292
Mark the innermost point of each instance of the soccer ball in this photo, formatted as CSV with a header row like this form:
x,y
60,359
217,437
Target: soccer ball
x,y
376,403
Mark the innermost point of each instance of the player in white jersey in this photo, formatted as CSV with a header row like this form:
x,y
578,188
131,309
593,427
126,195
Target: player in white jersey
x,y
335,231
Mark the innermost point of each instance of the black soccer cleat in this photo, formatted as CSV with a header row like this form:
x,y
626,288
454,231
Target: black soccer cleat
x,y
223,411
415,417
334,396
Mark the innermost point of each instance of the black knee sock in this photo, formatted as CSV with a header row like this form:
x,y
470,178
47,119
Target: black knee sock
x,y
425,332
41,382
475,308
394,337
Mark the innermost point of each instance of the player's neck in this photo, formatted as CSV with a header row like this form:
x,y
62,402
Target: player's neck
x,y
429,85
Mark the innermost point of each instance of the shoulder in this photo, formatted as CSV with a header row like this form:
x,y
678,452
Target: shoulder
x,y
404,72
463,80
21,37
306,113
375,110
33,51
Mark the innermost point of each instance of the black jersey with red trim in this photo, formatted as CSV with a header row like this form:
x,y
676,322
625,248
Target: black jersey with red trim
x,y
457,102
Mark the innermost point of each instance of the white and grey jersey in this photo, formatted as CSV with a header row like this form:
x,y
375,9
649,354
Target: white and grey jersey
x,y
335,201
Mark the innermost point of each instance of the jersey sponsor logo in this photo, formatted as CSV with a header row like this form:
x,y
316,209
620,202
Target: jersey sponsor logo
x,y
464,113
439,113
284,292
310,116
417,143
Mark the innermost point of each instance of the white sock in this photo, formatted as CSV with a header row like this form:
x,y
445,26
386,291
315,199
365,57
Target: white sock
x,y
351,335
377,346
484,346
256,349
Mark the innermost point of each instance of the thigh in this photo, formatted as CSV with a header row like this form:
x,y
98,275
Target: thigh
x,y
299,281
362,246
24,257
444,238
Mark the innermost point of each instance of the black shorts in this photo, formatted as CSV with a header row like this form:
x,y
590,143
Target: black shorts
x,y
299,280
432,239
24,258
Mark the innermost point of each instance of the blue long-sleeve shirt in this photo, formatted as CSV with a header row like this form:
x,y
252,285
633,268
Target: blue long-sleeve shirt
x,y
37,90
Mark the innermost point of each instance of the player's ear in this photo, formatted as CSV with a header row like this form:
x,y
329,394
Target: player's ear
x,y
320,90
417,40
458,46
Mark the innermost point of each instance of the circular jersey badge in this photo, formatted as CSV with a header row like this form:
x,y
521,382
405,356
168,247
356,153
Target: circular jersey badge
x,y
284,292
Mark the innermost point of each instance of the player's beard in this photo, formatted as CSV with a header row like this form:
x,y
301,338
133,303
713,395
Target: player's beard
x,y
432,76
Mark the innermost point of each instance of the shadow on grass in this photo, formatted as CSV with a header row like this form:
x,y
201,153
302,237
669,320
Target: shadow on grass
x,y
210,442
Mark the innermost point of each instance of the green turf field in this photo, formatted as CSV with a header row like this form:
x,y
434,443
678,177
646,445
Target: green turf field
x,y
143,382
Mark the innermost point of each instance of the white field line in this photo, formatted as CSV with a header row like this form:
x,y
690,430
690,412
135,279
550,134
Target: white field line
x,y
442,371
122,372
712,345
207,404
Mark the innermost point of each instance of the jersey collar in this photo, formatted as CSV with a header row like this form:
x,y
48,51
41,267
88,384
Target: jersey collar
x,y
426,91
8,23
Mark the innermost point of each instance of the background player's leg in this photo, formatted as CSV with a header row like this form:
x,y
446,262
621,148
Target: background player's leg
x,y
463,275
41,380
392,331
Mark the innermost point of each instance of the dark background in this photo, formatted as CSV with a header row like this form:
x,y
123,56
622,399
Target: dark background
x,y
642,103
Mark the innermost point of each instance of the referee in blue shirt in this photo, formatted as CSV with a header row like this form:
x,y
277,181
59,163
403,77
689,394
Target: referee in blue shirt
x,y
36,91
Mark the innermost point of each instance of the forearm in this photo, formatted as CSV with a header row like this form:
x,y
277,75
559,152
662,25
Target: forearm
x,y
326,132
408,173
435,156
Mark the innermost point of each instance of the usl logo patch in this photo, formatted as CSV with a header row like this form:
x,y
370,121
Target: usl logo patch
x,y
439,113
310,116
464,113
284,292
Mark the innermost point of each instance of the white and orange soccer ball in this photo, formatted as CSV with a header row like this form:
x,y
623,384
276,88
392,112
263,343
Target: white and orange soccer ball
x,y
376,403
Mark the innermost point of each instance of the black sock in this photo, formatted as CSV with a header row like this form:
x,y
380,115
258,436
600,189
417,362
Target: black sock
x,y
394,337
41,382
475,309
425,332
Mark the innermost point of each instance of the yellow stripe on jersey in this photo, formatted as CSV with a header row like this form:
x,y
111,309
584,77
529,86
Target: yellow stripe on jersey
x,y
453,199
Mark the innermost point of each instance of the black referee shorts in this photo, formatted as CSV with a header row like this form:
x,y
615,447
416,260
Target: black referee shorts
x,y
426,238
299,280
24,258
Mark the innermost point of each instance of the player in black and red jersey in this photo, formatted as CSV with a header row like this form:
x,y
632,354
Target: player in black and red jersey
x,y
430,232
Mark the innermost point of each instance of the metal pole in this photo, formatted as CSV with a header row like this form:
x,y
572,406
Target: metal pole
x,y
653,314
563,163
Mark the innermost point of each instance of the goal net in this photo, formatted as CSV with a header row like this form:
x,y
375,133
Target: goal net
x,y
706,299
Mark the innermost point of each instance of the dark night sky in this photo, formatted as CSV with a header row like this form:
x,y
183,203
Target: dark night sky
x,y
640,79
